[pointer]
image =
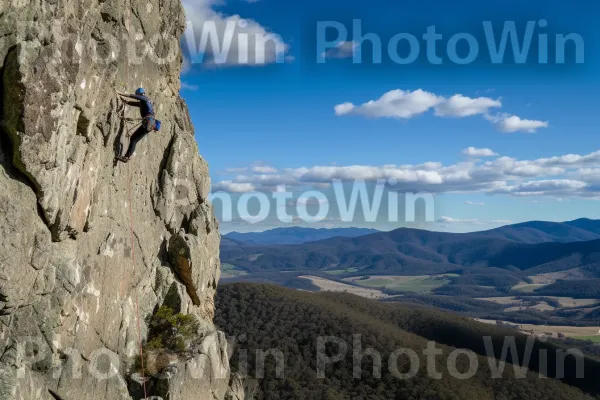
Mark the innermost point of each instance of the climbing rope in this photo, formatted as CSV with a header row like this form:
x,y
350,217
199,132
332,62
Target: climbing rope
x,y
121,113
137,306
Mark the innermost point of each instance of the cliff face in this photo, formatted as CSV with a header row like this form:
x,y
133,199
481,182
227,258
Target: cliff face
x,y
84,241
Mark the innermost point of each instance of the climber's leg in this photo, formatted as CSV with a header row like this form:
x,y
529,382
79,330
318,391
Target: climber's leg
x,y
133,129
135,138
124,140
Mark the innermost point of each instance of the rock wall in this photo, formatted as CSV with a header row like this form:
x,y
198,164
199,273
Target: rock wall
x,y
84,243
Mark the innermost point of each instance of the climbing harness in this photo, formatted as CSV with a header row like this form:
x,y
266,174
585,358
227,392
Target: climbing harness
x,y
152,123
129,122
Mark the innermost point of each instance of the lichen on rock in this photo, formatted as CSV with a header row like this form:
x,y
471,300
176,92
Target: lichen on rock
x,y
87,246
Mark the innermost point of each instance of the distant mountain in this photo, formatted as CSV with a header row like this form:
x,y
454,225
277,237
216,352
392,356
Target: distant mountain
x,y
587,224
541,231
295,235
225,241
415,252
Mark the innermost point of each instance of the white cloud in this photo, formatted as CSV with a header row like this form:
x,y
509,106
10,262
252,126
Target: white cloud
x,y
186,65
371,173
230,171
589,175
572,160
246,38
393,104
343,109
234,187
565,176
548,186
511,123
264,169
342,50
190,87
475,152
450,220
251,219
474,203
307,202
461,106
400,104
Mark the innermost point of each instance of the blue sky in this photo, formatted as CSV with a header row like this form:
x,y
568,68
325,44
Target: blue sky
x,y
493,142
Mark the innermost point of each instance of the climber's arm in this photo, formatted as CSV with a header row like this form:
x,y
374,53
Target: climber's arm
x,y
132,96
129,99
133,103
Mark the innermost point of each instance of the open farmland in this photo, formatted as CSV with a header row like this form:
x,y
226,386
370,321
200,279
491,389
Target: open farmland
x,y
416,284
333,286
568,331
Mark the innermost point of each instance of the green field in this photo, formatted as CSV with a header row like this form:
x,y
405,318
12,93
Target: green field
x,y
342,271
416,284
527,287
595,339
231,271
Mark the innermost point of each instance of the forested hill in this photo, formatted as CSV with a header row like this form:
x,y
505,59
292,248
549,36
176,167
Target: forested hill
x,y
265,317
409,251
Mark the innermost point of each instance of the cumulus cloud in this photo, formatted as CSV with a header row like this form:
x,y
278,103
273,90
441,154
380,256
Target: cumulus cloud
x,y
401,104
511,123
569,175
229,40
406,104
234,187
264,169
393,104
475,152
572,160
589,175
546,187
342,50
257,167
461,106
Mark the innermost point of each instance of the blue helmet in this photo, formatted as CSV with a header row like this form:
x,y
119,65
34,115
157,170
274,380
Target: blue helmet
x,y
140,92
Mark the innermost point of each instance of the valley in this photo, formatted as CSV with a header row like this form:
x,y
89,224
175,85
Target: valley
x,y
416,284
538,273
328,285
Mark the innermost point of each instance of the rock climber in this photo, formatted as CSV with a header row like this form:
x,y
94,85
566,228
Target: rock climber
x,y
148,122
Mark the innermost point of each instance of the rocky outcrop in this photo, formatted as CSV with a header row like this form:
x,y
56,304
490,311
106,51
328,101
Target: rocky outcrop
x,y
236,388
87,246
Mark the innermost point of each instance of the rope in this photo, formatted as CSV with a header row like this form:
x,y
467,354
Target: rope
x,y
137,306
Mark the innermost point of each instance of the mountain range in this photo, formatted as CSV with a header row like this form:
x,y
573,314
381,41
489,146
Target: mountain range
x,y
295,235
542,231
535,246
556,259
